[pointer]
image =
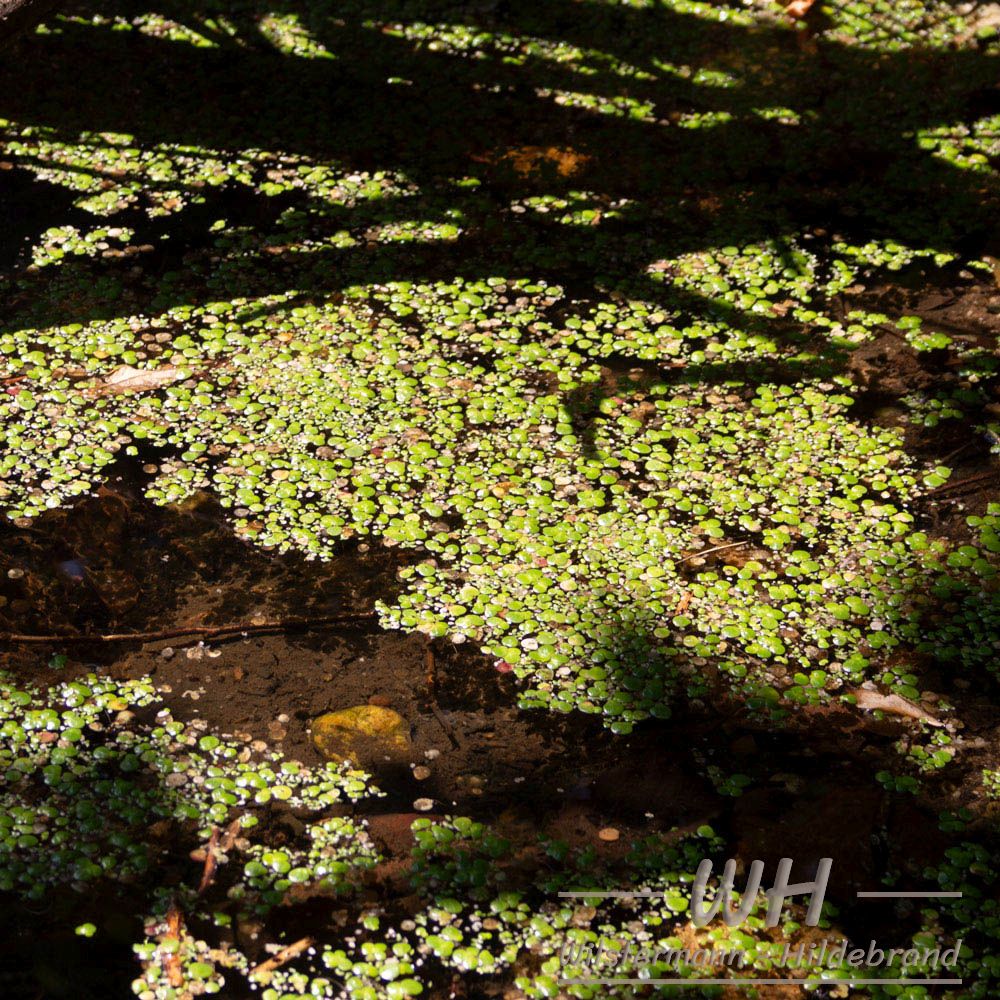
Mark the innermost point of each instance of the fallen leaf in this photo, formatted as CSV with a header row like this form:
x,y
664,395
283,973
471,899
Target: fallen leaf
x,y
528,160
129,379
362,733
798,9
894,704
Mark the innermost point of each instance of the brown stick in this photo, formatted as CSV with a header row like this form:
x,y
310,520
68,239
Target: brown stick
x,y
977,478
218,845
204,630
957,451
444,726
429,669
229,837
175,929
211,861
283,956
718,548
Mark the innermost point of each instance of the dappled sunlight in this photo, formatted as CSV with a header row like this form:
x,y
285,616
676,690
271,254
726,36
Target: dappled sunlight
x,y
629,328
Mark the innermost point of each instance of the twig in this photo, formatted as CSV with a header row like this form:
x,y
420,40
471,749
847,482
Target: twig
x,y
977,478
229,837
211,861
429,672
718,548
958,451
218,845
18,16
444,725
212,631
893,332
283,956
430,678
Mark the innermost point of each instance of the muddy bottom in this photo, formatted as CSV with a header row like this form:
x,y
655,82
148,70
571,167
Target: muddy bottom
x,y
115,564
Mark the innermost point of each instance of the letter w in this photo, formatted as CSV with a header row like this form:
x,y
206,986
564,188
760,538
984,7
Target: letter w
x,y
701,915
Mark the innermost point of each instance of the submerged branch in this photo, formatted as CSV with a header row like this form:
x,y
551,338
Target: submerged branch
x,y
212,631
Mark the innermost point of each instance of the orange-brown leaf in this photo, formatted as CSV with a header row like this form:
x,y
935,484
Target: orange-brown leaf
x,y
894,704
798,9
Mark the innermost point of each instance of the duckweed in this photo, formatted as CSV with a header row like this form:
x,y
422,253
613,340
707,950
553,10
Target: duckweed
x,y
558,460
510,487
604,399
81,785
991,782
973,919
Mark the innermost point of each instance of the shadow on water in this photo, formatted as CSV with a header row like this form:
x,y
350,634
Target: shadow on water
x,y
117,563
771,787
843,158
526,771
850,165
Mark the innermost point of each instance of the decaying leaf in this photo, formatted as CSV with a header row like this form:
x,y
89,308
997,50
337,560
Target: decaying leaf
x,y
129,379
529,160
175,931
894,704
798,9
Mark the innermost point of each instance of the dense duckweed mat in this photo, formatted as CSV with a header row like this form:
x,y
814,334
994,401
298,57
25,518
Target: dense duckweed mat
x,y
633,361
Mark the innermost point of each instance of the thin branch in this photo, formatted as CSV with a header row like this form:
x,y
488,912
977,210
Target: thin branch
x,y
429,670
436,712
283,956
208,631
977,478
211,861
175,930
218,844
958,451
717,548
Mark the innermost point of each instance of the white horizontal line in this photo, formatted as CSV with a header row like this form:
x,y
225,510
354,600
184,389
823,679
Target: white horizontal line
x,y
760,982
594,893
909,895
